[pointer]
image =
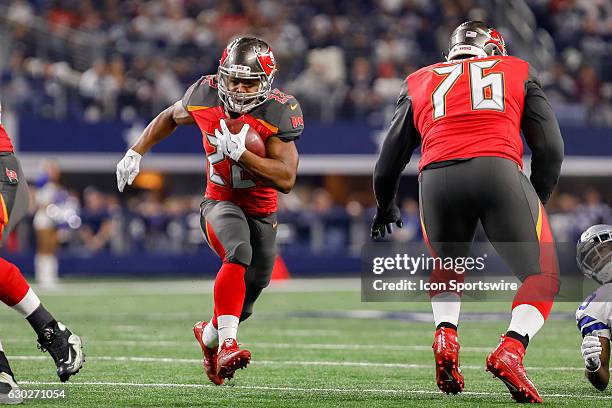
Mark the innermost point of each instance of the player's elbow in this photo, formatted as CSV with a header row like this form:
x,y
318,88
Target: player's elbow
x,y
556,153
286,185
601,385
600,379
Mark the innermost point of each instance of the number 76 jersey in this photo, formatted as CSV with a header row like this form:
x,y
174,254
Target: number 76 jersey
x,y
469,108
279,116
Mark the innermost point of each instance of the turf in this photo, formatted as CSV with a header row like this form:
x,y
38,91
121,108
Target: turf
x,y
141,352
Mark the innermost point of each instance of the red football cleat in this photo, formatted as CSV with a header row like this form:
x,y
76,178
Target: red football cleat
x,y
506,363
231,358
209,355
446,354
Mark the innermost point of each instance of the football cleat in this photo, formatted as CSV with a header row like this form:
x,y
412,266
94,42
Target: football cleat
x,y
8,387
446,355
506,363
231,358
209,355
64,347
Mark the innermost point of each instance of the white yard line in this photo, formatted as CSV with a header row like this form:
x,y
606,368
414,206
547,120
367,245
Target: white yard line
x,y
299,389
169,360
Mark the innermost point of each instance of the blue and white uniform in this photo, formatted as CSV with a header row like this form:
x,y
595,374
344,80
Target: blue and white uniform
x,y
594,315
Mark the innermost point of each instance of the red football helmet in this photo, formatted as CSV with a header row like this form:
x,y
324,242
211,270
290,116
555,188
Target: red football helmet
x,y
475,39
247,58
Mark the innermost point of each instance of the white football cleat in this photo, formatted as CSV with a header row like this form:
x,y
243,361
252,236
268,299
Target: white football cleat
x,y
8,386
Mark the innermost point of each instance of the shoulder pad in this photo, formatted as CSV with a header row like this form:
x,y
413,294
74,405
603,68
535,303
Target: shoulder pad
x,y
202,94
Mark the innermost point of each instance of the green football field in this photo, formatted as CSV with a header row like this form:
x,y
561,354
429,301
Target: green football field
x,y
314,344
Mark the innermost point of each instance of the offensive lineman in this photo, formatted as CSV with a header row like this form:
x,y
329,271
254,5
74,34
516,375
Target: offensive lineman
x,y
64,347
238,214
467,114
594,315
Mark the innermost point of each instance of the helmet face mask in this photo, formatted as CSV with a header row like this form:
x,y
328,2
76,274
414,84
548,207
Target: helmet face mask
x,y
247,59
594,253
475,39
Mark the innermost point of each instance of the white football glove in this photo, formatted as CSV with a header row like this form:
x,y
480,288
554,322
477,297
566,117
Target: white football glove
x,y
232,145
591,350
128,168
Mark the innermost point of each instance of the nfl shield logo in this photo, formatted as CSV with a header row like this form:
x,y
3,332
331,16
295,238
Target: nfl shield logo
x,y
12,175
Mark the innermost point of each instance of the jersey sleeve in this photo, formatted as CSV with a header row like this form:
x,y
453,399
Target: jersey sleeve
x,y
542,134
399,144
189,93
201,94
291,123
593,316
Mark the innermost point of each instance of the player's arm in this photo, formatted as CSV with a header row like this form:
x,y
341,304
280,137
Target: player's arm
x,y
162,126
401,140
596,353
157,130
278,169
542,134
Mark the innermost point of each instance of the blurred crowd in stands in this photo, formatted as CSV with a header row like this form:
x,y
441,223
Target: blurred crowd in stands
x,y
87,222
111,59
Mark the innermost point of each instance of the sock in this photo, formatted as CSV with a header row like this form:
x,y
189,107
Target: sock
x,y
446,307
229,290
214,322
526,320
28,304
210,336
13,287
39,319
4,364
523,339
229,294
228,328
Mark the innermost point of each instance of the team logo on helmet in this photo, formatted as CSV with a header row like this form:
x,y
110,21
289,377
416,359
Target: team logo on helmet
x,y
497,39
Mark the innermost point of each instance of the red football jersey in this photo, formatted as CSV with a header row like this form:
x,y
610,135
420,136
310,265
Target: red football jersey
x,y
469,108
5,140
279,116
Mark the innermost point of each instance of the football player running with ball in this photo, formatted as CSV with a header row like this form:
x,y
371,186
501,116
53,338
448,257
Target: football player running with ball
x,y
594,315
467,113
64,347
238,214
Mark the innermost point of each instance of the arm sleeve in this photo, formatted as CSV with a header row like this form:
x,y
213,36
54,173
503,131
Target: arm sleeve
x,y
401,140
543,137
593,315
589,325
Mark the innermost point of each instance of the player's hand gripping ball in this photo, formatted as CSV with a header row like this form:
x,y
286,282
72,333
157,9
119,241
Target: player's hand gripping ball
x,y
235,137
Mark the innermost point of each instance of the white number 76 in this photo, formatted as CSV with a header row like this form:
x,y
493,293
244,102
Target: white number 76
x,y
479,82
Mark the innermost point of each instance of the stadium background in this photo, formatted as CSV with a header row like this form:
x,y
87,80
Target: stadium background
x,y
80,80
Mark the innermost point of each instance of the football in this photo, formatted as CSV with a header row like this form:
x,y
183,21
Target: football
x,y
254,143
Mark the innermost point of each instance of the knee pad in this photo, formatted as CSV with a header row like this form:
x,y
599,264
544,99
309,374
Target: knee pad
x,y
242,254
